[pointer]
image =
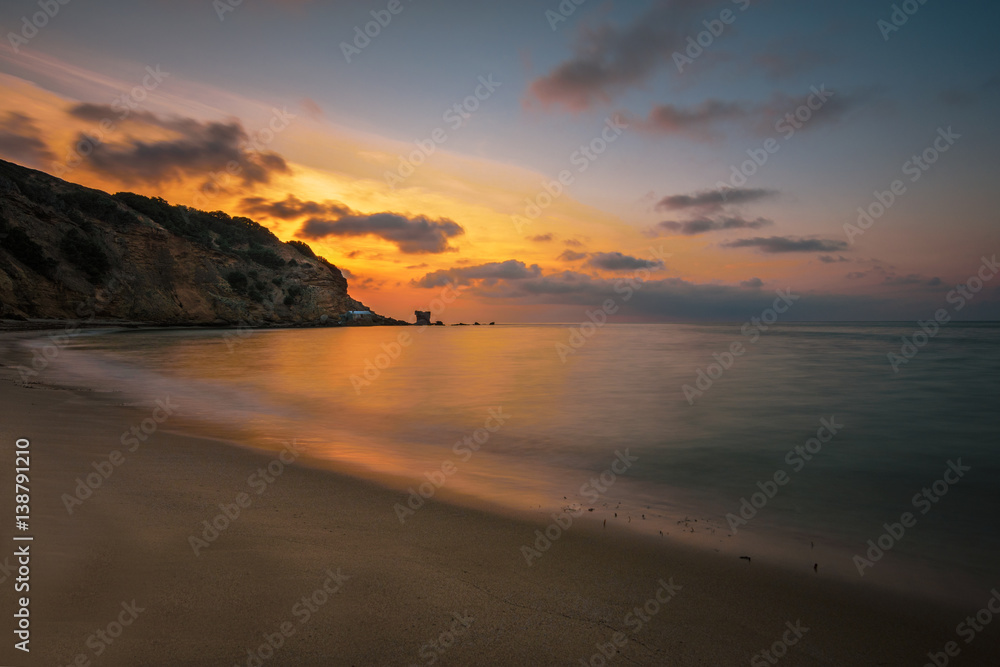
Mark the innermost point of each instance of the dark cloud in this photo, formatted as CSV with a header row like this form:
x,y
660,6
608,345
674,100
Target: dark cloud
x,y
713,200
416,235
616,261
752,283
703,225
21,140
291,207
369,283
489,274
705,122
197,149
699,123
777,244
830,259
913,279
775,115
364,282
608,58
573,243
95,113
541,238
892,279
571,256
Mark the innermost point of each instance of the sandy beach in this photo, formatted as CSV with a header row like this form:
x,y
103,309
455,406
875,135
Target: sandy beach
x,y
318,564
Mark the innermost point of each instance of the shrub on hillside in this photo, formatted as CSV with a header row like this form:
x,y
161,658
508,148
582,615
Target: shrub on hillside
x,y
22,247
303,248
264,257
94,204
292,294
238,281
85,254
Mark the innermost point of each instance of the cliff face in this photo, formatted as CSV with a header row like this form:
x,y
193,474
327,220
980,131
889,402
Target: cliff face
x,y
66,249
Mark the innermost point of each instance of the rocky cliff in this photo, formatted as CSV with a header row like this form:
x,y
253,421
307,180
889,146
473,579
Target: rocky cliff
x,y
67,250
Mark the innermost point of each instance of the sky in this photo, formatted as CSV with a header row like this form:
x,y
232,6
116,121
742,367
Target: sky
x,y
664,160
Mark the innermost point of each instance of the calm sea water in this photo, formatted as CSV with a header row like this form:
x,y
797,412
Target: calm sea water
x,y
622,390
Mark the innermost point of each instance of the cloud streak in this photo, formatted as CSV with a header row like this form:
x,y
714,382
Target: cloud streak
x,y
705,122
197,149
412,235
781,244
714,200
616,261
608,59
705,225
489,274
291,207
21,140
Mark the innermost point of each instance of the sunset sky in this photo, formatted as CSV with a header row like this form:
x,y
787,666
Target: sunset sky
x,y
278,110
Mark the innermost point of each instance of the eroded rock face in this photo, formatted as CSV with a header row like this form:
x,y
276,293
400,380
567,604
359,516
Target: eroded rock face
x,y
67,250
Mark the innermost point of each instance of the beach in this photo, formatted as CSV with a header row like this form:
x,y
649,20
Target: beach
x,y
574,333
318,563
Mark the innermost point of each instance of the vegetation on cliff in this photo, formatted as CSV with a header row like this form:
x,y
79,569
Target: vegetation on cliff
x,y
142,259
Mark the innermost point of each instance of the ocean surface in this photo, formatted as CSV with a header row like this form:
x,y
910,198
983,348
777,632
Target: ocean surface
x,y
524,417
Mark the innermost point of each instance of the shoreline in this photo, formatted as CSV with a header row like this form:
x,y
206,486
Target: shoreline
x,y
684,523
131,540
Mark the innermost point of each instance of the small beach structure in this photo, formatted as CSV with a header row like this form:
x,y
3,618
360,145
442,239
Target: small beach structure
x,y
356,317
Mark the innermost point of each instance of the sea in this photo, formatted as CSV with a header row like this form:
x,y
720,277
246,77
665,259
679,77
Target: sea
x,y
862,451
